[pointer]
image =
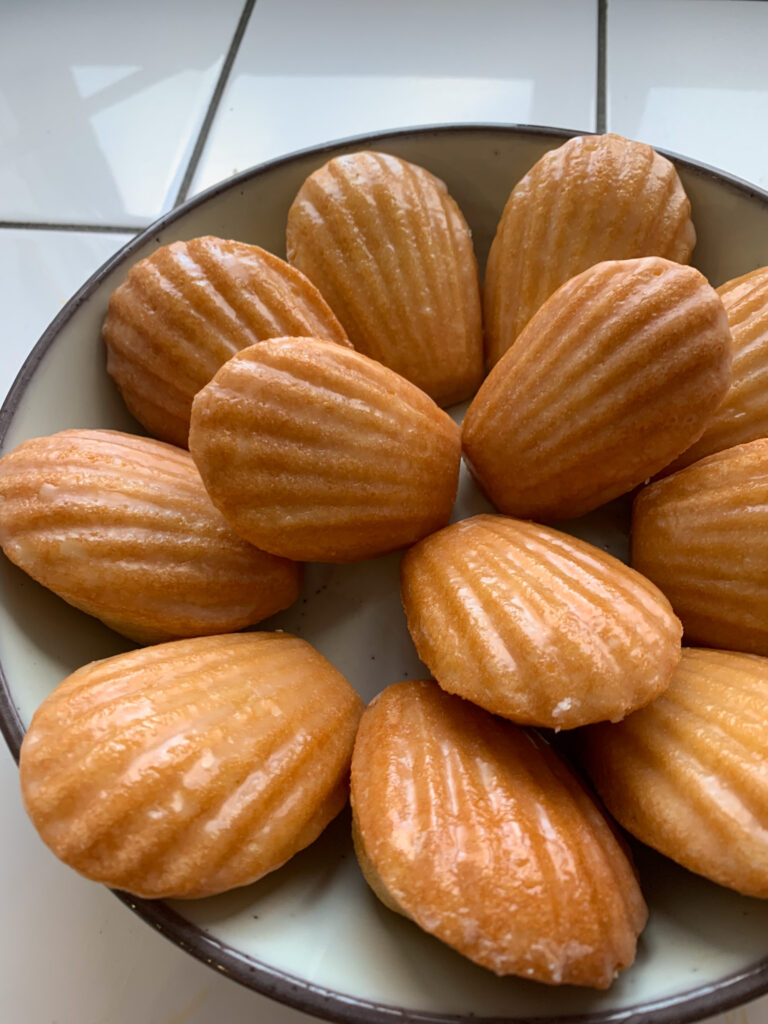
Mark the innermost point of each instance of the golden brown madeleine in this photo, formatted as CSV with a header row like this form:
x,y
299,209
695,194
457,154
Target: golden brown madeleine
x,y
616,374
391,252
597,197
687,774
189,768
479,833
122,528
187,308
702,536
743,414
535,625
316,452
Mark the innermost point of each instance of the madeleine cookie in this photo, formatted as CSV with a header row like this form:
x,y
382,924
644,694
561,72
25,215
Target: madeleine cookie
x,y
187,308
702,536
616,374
391,252
121,527
743,413
535,625
476,831
686,775
189,768
597,197
315,452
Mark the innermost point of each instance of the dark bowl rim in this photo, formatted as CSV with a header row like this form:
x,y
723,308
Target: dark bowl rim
x,y
692,1004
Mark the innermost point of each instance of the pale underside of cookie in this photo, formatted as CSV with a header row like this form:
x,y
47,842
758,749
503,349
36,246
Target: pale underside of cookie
x,y
686,775
122,528
190,768
391,252
594,198
535,625
188,307
701,535
617,373
476,831
743,414
314,449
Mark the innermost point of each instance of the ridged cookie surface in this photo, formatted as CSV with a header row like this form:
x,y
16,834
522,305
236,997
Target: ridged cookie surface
x,y
616,374
595,198
702,536
189,768
743,414
687,775
187,308
479,833
535,625
122,528
316,452
391,252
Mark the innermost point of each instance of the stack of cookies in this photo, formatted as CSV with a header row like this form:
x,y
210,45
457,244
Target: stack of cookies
x,y
297,414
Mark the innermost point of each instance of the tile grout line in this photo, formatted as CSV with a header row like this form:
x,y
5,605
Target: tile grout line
x,y
213,106
107,229
602,48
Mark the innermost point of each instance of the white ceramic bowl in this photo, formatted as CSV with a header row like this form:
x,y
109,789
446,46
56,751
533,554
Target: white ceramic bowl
x,y
311,934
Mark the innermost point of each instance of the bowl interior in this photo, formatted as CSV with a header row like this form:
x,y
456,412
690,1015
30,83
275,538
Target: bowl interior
x,y
312,934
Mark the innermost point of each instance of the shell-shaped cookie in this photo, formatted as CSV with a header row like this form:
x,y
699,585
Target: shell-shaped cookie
x,y
597,197
192,767
743,414
391,252
316,452
187,308
478,832
535,625
122,528
702,536
687,775
616,374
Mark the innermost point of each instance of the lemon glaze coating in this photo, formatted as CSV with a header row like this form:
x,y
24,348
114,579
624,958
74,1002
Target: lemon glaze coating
x,y
615,375
595,198
316,452
188,768
391,252
743,414
122,528
535,625
188,307
686,775
476,830
701,535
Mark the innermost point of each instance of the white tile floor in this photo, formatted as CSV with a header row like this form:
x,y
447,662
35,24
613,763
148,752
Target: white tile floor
x,y
101,107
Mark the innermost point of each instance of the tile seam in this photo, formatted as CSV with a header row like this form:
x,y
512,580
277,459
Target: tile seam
x,y
602,54
215,101
107,229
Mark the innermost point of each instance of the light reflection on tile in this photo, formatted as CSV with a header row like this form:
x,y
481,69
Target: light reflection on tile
x,y
100,104
690,76
370,67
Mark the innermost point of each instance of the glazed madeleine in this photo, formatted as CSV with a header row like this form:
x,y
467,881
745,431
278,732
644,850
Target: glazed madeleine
x,y
316,452
474,829
595,198
121,527
702,536
192,767
535,625
743,414
391,252
616,374
687,774
187,308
